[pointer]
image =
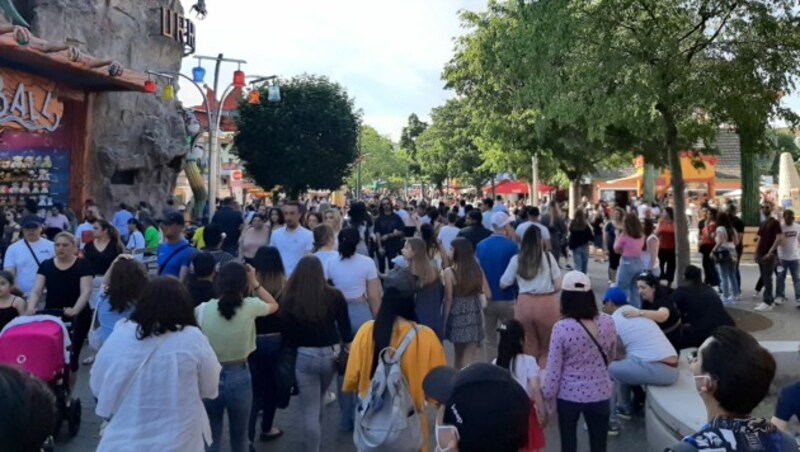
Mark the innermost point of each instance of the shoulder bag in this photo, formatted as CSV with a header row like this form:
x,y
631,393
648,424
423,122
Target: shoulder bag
x,y
163,266
594,339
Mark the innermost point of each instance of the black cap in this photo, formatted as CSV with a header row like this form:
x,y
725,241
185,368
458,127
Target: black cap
x,y
487,406
173,218
402,281
30,222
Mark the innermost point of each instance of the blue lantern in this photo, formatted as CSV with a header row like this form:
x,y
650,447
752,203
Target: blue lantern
x,y
274,93
198,74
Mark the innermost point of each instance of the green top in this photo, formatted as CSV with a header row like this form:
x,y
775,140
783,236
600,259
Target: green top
x,y
151,237
234,339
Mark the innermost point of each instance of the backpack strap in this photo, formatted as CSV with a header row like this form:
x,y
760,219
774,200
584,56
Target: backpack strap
x,y
406,342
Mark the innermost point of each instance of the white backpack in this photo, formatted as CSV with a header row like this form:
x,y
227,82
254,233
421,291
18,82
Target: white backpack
x,y
387,419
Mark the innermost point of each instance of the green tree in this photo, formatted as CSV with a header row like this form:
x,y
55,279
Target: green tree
x,y
381,162
408,140
308,140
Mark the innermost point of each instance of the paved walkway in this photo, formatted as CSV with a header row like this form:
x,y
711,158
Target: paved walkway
x,y
784,318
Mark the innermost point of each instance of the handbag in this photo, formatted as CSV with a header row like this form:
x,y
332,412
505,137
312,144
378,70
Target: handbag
x,y
342,356
285,377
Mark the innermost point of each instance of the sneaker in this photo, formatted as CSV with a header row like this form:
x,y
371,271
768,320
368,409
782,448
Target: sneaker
x,y
728,301
330,397
622,413
780,300
614,429
756,295
763,307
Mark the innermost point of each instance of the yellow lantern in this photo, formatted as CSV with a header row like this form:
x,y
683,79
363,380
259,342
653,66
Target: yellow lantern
x,y
169,92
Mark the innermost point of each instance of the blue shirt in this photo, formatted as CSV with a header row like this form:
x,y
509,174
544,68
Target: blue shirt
x,y
494,254
120,222
107,317
182,258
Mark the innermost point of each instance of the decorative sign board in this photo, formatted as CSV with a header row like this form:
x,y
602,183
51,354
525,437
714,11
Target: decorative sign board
x,y
28,103
176,26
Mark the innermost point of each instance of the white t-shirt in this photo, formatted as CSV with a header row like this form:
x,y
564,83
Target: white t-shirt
x,y
642,337
424,219
788,250
487,219
727,242
403,214
84,233
642,210
524,227
292,245
350,275
19,258
524,369
446,235
542,283
325,257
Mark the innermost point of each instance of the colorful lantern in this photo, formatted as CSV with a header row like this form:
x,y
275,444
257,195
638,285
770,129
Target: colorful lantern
x,y
198,74
150,86
238,79
254,97
169,92
274,93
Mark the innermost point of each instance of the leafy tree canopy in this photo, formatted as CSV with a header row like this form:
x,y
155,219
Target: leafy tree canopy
x,y
308,140
381,162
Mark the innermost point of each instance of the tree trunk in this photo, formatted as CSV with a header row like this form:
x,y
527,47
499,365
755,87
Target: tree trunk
x,y
574,191
649,182
751,179
683,252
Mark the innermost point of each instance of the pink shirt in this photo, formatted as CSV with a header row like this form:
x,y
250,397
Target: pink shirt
x,y
629,246
575,368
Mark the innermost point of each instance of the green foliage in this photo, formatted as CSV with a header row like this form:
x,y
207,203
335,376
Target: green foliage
x,y
408,140
308,140
381,161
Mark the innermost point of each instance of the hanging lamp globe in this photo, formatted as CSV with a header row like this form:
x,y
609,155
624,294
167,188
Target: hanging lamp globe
x,y
198,74
274,93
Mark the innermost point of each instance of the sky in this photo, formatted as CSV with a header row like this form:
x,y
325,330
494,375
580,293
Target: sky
x,y
389,55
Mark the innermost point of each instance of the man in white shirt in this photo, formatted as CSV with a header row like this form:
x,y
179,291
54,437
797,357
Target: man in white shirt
x,y
533,220
23,257
789,254
85,231
650,359
448,233
399,209
292,240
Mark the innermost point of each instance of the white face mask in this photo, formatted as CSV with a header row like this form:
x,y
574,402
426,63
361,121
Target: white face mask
x,y
447,431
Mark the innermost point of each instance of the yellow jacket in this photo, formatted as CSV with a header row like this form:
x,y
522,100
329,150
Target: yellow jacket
x,y
424,353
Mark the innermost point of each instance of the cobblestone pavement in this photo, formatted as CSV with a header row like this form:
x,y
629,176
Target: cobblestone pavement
x,y
632,438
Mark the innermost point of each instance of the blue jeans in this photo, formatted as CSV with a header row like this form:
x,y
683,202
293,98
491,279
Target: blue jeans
x,y
314,370
263,363
631,372
727,272
629,269
236,396
580,256
359,313
794,268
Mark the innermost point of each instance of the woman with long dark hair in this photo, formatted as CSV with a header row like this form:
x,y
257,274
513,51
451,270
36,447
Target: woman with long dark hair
x,y
396,319
536,273
525,370
580,236
612,228
362,222
464,284
263,362
582,346
657,305
630,246
229,324
314,317
389,234
152,374
276,219
430,291
724,253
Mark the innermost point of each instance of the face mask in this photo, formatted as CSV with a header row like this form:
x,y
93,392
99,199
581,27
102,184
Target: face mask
x,y
451,432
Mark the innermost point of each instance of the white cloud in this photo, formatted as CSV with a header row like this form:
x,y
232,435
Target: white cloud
x,y
388,55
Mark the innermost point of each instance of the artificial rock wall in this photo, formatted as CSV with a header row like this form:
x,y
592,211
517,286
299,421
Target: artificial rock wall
x,y
134,134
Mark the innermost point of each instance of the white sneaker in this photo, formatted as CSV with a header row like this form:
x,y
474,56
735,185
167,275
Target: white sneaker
x,y
763,307
330,397
779,301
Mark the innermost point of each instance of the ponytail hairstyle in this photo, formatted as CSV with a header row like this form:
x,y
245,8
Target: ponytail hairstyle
x,y
323,234
113,234
349,238
232,284
512,335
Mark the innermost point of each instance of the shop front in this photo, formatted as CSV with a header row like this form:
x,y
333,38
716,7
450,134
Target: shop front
x,y
46,93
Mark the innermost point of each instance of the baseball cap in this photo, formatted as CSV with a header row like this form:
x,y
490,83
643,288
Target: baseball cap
x,y
576,281
483,402
173,218
500,220
402,281
616,296
30,222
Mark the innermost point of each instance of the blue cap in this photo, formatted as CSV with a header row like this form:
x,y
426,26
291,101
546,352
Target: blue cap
x,y
616,296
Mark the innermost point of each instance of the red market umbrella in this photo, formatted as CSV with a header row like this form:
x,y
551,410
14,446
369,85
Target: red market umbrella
x,y
515,187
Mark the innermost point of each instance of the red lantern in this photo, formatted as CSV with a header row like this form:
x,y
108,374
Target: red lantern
x,y
238,79
150,87
254,97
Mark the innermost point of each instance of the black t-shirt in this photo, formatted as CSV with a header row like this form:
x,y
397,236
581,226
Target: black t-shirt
x,y
738,226
663,300
701,307
387,224
474,234
100,261
63,286
331,331
202,291
229,221
579,237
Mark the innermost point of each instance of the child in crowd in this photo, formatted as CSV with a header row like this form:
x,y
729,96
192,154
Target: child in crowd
x,y
11,302
525,371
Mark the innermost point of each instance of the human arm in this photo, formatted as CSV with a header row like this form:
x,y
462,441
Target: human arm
x,y
359,351
19,305
659,316
555,363
83,299
374,294
36,293
448,293
259,291
652,249
183,275
510,275
535,389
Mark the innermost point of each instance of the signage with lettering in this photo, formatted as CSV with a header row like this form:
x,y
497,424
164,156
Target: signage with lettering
x,y
28,103
176,26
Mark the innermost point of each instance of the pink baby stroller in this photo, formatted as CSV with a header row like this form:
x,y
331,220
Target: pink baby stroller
x,y
40,344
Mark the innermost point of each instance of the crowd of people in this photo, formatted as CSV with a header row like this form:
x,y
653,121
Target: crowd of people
x,y
311,303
